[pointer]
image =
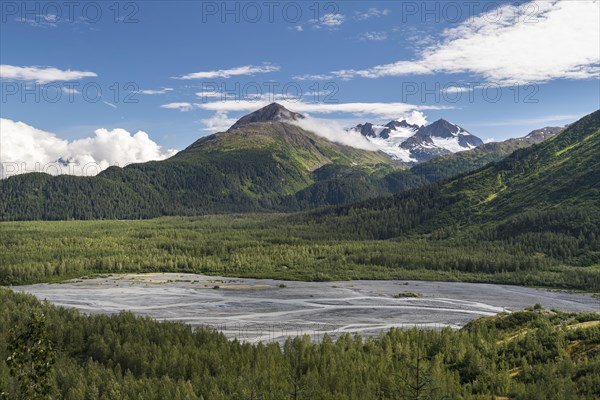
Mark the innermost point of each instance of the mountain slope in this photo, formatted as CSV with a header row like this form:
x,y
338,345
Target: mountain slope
x,y
272,112
439,138
263,162
546,196
451,165
260,163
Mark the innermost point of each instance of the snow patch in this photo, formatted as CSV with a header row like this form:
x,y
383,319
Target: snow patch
x,y
450,144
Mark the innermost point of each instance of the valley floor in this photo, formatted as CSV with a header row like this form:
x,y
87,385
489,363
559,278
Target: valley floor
x,y
265,310
532,354
277,246
525,355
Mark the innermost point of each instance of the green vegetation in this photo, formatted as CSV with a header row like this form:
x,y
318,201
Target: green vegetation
x,y
529,219
31,358
535,354
269,246
543,203
402,295
260,166
452,165
265,165
482,226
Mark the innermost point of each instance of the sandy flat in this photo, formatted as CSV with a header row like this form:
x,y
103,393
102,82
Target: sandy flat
x,y
259,310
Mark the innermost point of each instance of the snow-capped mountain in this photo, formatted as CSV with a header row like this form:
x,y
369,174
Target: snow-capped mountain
x,y
414,144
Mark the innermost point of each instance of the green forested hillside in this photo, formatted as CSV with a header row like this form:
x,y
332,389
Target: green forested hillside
x,y
533,354
256,165
530,219
545,198
541,235
251,168
452,165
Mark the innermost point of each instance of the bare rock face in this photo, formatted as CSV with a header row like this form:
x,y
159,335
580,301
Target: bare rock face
x,y
272,112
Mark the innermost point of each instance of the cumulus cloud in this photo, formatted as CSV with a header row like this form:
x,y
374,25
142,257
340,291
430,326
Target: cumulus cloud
x,y
334,132
227,73
555,40
28,149
42,74
331,20
414,117
328,21
219,122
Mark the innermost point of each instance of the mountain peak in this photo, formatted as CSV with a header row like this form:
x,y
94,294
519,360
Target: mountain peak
x,y
443,128
401,124
272,112
442,122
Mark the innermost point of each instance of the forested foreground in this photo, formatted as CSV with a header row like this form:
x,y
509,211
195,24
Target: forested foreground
x,y
532,354
275,246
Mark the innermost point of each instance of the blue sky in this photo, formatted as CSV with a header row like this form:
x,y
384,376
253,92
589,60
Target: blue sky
x,y
376,60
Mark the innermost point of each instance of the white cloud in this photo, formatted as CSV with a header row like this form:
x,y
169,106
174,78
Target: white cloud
x,y
556,39
160,91
41,21
380,110
179,106
373,36
543,120
316,77
331,129
371,13
455,89
207,94
219,122
399,68
227,73
332,20
335,132
415,118
42,74
328,21
318,94
27,149
67,90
